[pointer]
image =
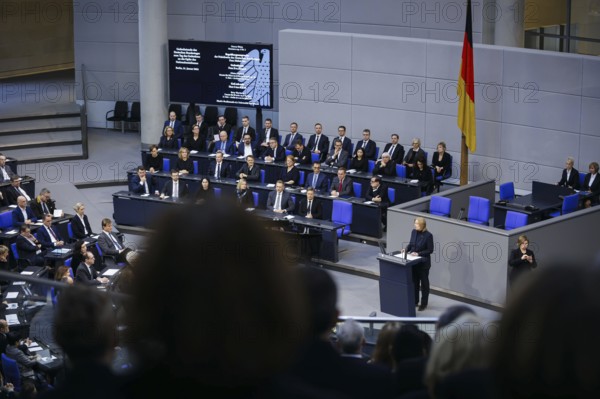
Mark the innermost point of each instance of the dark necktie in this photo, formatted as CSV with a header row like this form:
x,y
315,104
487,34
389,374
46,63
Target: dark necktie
x,y
340,187
45,208
309,207
52,233
218,170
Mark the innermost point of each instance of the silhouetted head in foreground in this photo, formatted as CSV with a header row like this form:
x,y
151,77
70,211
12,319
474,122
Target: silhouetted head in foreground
x,y
216,302
548,344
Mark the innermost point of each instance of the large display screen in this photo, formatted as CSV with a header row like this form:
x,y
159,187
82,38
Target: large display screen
x,y
226,74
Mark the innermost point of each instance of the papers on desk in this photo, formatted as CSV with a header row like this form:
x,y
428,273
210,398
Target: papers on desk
x,y
193,152
297,163
165,197
60,251
289,217
226,155
368,202
58,213
270,185
18,282
12,206
414,181
13,231
12,306
351,171
303,191
408,256
95,236
144,195
12,295
212,155
160,149
35,349
249,209
216,137
12,319
37,223
26,273
110,272
241,157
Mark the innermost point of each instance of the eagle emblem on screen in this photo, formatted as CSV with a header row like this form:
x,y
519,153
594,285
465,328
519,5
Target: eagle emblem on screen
x,y
255,75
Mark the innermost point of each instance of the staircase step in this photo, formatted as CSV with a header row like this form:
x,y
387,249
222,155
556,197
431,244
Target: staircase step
x,y
41,139
46,111
55,153
39,125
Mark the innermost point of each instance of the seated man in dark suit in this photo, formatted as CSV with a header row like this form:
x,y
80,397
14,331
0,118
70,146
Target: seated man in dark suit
x,y
141,183
265,136
222,125
246,147
222,145
48,236
28,247
341,186
310,206
275,153
244,130
570,175
109,243
338,157
43,204
249,171
318,143
15,190
385,166
175,124
395,149
202,127
368,145
87,274
346,142
290,139
379,195
5,171
301,154
219,169
174,188
317,180
22,214
280,201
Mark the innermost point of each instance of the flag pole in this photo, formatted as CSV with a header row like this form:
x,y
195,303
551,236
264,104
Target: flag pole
x,y
464,161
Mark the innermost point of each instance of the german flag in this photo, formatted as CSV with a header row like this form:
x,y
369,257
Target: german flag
x,y
466,87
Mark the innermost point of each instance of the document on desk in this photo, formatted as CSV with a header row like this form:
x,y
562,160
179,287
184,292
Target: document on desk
x,y
414,181
193,152
110,272
249,209
368,202
12,319
26,273
12,306
11,232
289,217
18,282
144,195
408,256
59,251
270,185
35,349
58,213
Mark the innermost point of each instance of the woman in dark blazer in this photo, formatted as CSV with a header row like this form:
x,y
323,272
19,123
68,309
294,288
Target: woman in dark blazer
x,y
422,173
359,162
79,251
196,142
206,192
440,162
421,244
521,260
572,180
184,164
168,140
291,174
245,199
591,182
80,223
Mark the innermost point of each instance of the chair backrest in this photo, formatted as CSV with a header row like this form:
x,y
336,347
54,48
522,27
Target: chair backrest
x,y
121,109
13,249
288,152
342,213
570,203
166,165
479,210
68,261
376,152
10,369
231,115
177,109
514,220
440,206
190,113
136,110
255,198
70,231
211,113
357,189
218,192
581,179
195,167
99,250
392,195
371,166
5,220
262,176
507,191
314,157
401,171
301,181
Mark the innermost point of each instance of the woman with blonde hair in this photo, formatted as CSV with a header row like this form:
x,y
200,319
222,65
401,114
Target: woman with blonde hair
x,y
421,244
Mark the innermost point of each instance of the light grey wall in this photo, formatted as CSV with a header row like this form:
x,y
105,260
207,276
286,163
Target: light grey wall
x,y
106,33
533,108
